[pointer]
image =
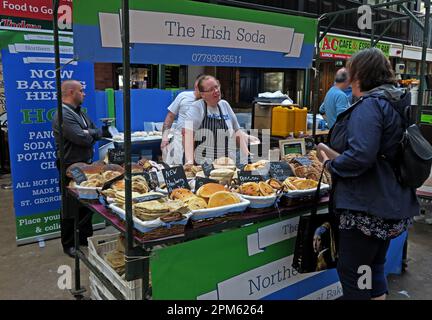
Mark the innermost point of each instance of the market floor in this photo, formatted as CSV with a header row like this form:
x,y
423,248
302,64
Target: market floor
x,y
30,271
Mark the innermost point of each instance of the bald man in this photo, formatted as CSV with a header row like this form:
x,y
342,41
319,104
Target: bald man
x,y
336,101
79,135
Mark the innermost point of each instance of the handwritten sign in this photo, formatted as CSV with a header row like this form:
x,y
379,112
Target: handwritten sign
x,y
207,168
148,197
152,179
175,177
116,156
249,176
303,161
280,170
199,182
78,175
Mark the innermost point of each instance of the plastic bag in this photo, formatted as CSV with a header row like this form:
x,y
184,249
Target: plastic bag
x,y
172,154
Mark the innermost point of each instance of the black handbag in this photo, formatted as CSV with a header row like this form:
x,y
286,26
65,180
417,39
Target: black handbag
x,y
317,237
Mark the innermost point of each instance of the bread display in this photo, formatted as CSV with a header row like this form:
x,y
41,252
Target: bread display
x,y
275,184
224,163
181,194
222,198
207,190
312,171
262,164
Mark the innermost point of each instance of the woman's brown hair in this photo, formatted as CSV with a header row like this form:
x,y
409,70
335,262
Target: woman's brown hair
x,y
371,68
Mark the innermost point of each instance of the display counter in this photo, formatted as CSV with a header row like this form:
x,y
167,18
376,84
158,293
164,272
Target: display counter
x,y
247,256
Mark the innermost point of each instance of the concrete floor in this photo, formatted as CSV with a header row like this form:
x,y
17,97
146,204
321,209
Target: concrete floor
x,y
30,271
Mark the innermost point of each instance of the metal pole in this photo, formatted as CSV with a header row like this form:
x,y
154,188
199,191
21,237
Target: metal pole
x,y
127,129
316,82
423,61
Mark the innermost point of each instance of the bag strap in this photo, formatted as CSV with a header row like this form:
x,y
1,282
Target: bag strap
x,y
314,209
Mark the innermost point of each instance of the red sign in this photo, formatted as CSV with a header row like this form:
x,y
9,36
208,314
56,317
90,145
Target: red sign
x,y
33,9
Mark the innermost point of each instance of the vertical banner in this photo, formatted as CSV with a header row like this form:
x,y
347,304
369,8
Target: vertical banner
x,y
31,100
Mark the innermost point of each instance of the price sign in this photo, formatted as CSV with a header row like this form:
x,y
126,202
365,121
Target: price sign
x,y
148,197
207,168
175,177
249,176
303,161
152,179
280,170
78,175
116,156
199,182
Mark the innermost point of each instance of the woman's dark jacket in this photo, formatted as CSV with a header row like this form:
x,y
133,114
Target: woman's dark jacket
x,y
365,181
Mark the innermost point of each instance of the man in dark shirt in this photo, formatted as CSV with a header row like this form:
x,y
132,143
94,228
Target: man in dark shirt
x,y
79,135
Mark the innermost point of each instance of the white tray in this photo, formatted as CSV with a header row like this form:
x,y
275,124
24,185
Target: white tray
x,y
299,193
220,211
258,202
89,193
146,226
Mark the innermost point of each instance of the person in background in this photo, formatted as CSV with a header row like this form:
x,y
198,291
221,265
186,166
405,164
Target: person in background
x,y
212,116
371,205
336,101
178,108
80,135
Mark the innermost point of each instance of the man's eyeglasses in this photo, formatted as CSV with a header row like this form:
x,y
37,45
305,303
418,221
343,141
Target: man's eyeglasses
x,y
212,89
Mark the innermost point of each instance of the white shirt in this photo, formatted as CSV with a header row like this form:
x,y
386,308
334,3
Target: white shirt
x,y
181,105
196,114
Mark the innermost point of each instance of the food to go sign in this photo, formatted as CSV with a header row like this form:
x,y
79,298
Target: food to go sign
x,y
343,48
34,14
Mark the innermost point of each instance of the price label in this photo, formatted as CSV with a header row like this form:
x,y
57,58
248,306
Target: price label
x,y
303,161
175,177
199,182
249,176
280,170
78,175
148,197
152,179
207,168
116,156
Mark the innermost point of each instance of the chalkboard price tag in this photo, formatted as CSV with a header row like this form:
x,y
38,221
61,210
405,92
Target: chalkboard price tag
x,y
148,197
116,156
310,143
199,182
152,179
207,168
249,176
175,177
280,170
303,161
78,175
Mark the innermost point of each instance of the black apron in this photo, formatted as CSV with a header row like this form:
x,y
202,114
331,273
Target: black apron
x,y
220,145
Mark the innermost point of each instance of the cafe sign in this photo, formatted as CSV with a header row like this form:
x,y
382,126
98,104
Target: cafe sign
x,y
343,48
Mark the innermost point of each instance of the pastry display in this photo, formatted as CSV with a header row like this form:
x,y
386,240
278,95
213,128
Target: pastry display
x,y
295,183
256,189
221,175
262,164
275,184
312,171
181,194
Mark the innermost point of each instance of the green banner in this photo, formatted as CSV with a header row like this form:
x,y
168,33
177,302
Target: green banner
x,y
251,262
342,48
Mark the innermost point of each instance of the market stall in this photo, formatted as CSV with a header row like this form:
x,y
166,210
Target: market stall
x,y
257,205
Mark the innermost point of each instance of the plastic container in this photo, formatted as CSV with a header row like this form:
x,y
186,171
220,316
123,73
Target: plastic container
x,y
300,123
282,121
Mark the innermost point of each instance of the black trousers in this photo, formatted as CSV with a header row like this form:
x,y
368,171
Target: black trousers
x,y
85,226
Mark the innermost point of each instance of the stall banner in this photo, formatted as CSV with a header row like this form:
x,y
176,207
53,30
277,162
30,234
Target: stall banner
x,y
248,263
34,14
31,100
343,48
193,33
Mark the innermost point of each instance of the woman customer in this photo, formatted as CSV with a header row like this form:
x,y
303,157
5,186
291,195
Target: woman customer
x,y
211,127
372,206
